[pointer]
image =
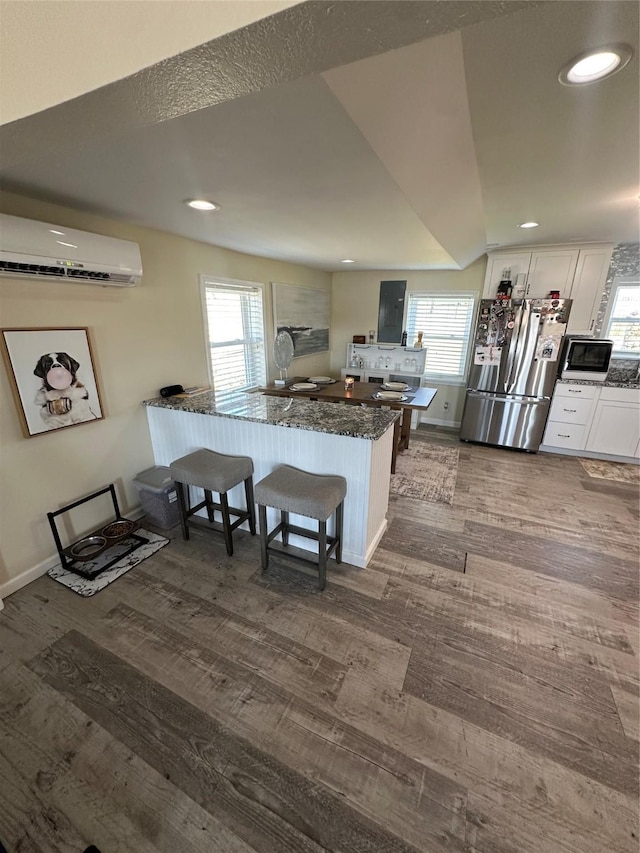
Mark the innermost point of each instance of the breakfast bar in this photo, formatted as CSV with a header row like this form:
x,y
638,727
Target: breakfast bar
x,y
365,394
318,437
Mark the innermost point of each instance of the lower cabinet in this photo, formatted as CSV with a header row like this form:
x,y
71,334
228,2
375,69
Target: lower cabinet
x,y
599,421
615,428
570,416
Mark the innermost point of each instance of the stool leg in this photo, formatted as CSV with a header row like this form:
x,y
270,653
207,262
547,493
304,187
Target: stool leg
x,y
322,554
264,554
339,527
251,504
209,501
284,519
184,509
226,523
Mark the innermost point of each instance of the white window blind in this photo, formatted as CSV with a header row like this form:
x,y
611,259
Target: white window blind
x,y
445,322
234,320
624,320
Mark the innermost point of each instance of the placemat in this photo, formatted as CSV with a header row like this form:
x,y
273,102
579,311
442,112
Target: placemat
x,y
408,399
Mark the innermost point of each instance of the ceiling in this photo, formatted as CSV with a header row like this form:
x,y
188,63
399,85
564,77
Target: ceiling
x,y
411,136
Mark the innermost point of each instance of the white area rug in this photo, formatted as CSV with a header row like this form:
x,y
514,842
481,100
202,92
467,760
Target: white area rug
x,y
427,472
623,472
86,587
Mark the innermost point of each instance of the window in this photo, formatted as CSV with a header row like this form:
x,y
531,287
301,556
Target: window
x,y
445,321
234,327
623,321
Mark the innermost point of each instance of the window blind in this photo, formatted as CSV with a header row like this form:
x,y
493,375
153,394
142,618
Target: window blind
x,y
234,315
445,322
624,320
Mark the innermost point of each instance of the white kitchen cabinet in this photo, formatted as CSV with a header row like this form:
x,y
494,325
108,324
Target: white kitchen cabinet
x,y
579,272
551,271
570,416
615,429
533,273
587,288
506,265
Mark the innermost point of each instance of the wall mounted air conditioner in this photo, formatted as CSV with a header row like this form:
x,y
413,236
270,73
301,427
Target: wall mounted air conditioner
x,y
40,250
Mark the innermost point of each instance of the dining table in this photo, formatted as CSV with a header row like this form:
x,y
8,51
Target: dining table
x,y
361,394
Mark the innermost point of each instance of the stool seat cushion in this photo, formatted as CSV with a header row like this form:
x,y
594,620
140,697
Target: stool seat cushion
x,y
292,490
207,469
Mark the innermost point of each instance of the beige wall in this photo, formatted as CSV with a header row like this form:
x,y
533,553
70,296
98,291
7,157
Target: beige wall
x,y
143,338
38,71
354,310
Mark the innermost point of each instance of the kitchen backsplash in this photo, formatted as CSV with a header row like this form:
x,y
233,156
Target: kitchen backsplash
x,y
625,261
624,370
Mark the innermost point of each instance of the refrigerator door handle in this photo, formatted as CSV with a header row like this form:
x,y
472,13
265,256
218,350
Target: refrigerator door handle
x,y
511,398
516,341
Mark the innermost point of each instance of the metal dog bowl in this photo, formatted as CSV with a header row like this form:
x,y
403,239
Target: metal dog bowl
x,y
117,529
83,549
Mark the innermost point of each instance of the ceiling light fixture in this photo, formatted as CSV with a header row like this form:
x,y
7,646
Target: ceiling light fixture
x,y
529,225
202,204
595,65
347,261
70,245
59,233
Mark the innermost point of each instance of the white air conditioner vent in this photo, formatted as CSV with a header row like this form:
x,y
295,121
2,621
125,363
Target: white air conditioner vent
x,y
40,250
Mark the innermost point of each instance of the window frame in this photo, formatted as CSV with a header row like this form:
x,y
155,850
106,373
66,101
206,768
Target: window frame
x,y
208,280
618,282
440,378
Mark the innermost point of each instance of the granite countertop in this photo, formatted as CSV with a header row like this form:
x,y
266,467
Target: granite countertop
x,y
353,421
608,383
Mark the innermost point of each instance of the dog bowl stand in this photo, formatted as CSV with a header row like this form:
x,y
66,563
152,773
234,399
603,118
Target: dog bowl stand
x,y
102,558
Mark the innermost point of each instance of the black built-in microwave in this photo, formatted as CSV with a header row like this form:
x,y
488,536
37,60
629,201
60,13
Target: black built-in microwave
x,y
585,358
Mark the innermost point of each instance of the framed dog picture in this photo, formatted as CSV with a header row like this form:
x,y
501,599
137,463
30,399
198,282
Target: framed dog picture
x,y
53,377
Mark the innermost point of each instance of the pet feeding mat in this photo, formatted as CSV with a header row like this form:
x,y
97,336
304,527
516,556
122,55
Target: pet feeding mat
x,y
89,586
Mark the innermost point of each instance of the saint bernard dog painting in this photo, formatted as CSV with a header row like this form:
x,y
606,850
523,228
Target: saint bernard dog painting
x,y
53,376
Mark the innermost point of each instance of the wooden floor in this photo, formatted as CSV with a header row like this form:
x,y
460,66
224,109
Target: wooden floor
x,y
475,689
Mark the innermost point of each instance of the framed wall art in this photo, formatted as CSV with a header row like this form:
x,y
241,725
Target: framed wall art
x,y
53,378
304,313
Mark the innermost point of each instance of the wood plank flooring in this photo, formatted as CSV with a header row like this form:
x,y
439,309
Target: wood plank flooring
x,y
476,689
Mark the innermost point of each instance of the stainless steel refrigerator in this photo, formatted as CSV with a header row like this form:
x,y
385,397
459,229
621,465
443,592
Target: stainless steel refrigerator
x,y
516,348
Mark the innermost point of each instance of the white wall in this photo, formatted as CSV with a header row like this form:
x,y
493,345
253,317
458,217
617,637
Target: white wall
x,y
354,310
143,338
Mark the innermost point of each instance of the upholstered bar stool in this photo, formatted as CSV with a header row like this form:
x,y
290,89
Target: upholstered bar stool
x,y
214,472
316,496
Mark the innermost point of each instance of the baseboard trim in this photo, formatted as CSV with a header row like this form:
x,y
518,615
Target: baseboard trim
x,y
26,577
588,454
35,572
441,422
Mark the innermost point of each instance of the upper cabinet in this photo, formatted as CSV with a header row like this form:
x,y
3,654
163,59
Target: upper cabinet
x,y
588,286
577,272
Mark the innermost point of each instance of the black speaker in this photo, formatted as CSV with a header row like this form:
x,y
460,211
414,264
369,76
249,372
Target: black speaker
x,y
170,390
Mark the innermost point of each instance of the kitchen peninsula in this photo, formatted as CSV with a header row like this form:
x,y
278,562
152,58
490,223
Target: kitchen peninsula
x,y
323,438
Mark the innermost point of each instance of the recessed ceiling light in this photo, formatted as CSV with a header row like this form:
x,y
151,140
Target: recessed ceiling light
x,y
202,204
595,65
529,225
59,233
70,245
347,261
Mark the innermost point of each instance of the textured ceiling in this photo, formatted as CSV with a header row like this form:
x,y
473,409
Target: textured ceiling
x,y
404,135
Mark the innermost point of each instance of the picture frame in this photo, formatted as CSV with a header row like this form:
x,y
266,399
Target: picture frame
x,y
53,378
305,314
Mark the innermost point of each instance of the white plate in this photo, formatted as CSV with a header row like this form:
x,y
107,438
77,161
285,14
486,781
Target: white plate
x,y
303,386
321,380
395,386
390,395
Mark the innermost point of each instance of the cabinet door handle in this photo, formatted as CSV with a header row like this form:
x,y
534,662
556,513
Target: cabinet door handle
x,y
574,391
560,435
569,410
592,325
